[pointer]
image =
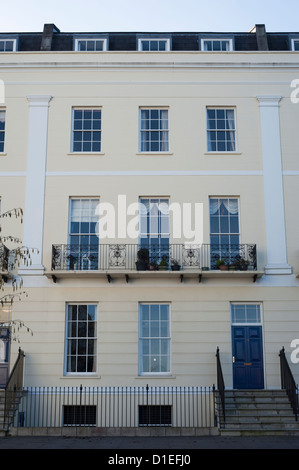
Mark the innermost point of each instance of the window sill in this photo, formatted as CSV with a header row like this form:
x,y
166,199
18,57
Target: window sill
x,y
88,375
154,153
92,154
156,376
222,153
3,154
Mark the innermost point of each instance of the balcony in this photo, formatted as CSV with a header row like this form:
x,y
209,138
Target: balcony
x,y
169,260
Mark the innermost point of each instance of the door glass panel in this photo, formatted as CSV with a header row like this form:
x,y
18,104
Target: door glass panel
x,y
154,228
224,230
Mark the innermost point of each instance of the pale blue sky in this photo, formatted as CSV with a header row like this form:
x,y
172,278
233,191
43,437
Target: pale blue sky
x,y
150,15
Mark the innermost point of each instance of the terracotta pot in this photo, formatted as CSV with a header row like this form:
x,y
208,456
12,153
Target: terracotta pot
x,y
223,267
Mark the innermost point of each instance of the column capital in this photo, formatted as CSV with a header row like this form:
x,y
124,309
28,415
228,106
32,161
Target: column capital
x,y
269,100
39,100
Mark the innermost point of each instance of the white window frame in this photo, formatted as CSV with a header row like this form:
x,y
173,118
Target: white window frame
x,y
2,131
219,130
293,42
73,131
213,40
160,130
222,234
159,338
77,338
246,322
87,255
5,41
91,40
151,40
154,224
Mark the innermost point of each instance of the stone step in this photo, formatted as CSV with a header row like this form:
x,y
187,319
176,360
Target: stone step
x,y
257,412
266,426
260,413
259,419
257,406
260,432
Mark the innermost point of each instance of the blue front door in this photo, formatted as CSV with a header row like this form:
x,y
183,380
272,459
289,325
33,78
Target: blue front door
x,y
247,348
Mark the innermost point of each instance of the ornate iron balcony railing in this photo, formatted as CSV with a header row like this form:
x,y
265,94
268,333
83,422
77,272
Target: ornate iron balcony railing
x,y
4,258
119,256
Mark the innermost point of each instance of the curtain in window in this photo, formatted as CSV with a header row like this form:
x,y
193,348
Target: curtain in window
x,y
230,117
231,205
164,130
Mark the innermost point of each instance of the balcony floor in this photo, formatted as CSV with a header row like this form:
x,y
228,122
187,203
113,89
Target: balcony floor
x,y
128,275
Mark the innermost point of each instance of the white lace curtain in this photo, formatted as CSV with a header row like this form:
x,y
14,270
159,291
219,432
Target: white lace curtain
x,y
231,205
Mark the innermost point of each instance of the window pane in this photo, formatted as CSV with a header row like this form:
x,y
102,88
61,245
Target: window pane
x,y
81,349
86,121
154,351
2,130
221,130
155,120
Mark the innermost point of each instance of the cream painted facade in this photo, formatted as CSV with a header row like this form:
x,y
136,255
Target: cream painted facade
x,y
40,173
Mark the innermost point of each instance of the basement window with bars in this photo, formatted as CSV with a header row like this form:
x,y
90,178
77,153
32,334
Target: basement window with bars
x,y
78,415
154,415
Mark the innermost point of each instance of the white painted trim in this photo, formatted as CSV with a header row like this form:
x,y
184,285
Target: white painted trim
x,y
167,83
35,181
273,186
103,40
221,39
290,173
293,43
14,43
4,174
155,173
151,39
171,64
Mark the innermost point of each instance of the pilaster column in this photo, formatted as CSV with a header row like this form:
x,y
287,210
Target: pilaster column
x,y
273,186
35,180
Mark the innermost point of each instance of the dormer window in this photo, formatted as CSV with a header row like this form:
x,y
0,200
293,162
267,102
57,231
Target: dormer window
x,y
7,45
295,44
216,45
154,44
89,45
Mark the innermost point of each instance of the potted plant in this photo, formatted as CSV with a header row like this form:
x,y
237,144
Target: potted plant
x,y
242,264
175,266
143,259
152,266
163,266
221,264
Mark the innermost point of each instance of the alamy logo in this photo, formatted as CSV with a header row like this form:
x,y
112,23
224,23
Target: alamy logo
x,y
295,92
2,92
124,220
295,353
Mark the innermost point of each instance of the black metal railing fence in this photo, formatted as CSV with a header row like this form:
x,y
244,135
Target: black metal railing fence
x,y
220,383
14,389
288,382
116,406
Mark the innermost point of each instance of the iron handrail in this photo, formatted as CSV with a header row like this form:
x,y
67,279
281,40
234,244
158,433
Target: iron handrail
x,y
288,382
14,386
220,383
